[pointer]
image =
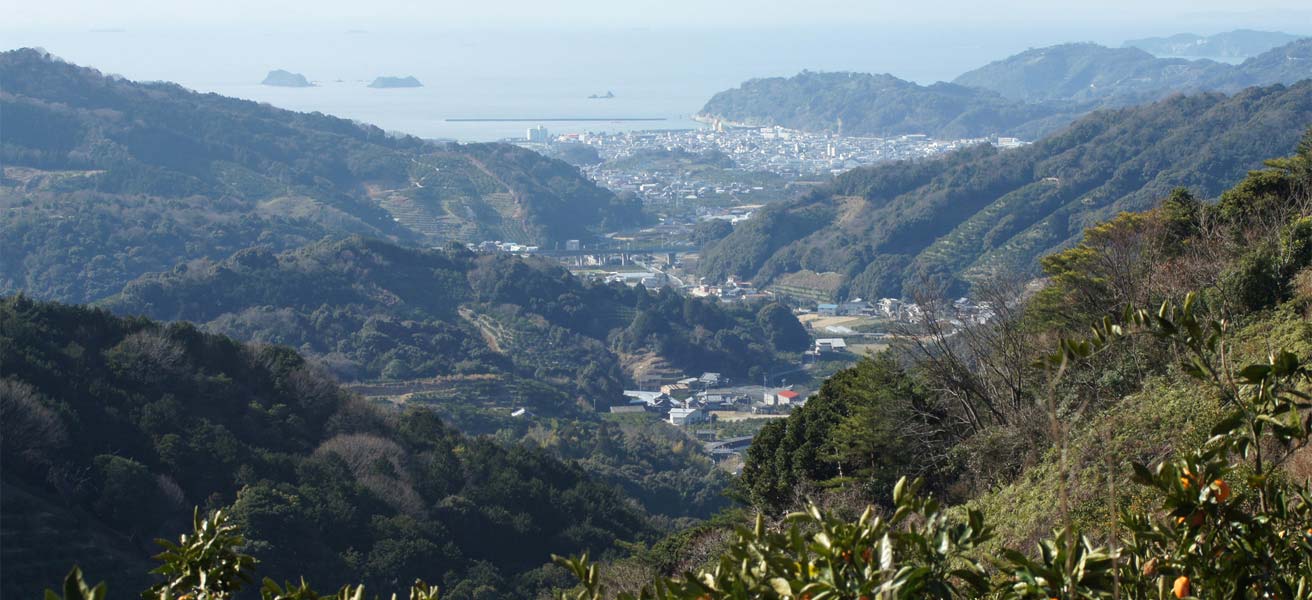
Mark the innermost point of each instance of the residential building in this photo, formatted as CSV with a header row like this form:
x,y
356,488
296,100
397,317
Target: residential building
x,y
687,416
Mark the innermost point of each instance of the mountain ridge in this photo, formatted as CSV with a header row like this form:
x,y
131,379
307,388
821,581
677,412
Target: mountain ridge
x,y
145,174
981,209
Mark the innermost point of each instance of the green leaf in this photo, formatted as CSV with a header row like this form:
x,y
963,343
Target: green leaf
x,y
1255,373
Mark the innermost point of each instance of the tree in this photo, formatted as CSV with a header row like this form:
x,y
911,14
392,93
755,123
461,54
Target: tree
x,y
713,230
783,329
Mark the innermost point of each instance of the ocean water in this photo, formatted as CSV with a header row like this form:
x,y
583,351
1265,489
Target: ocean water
x,y
527,73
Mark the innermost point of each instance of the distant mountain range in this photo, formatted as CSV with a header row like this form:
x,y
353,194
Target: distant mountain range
x,y
126,178
879,231
1027,95
1096,75
1240,43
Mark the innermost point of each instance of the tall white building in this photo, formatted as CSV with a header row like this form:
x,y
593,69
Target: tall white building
x,y
536,134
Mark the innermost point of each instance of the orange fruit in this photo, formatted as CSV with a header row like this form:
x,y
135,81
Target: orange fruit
x,y
1181,587
1222,490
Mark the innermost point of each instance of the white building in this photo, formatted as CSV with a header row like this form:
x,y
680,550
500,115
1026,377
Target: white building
x,y
827,345
687,416
537,135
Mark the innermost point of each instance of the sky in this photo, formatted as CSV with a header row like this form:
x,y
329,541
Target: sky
x,y
1295,15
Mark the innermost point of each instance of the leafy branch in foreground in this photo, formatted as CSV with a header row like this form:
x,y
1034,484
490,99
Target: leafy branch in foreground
x,y
918,551
207,564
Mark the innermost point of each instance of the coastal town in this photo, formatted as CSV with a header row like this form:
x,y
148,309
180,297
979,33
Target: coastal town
x,y
764,161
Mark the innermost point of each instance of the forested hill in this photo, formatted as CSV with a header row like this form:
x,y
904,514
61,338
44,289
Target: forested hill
x,y
1089,73
114,429
880,105
373,310
123,178
983,210
1028,95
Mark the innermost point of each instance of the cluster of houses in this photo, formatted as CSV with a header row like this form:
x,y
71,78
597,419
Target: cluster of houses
x,y
964,311
490,246
694,400
732,290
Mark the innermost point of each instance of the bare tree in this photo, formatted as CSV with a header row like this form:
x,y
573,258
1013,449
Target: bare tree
x,y
380,465
982,367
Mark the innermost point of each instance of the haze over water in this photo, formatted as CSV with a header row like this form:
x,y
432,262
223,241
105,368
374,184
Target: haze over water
x,y
532,73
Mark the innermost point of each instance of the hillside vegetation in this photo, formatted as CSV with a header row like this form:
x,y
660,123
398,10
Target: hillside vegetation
x,y
890,229
123,178
372,310
115,428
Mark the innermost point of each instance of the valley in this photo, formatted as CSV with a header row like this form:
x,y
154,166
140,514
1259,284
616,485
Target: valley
x,y
1040,332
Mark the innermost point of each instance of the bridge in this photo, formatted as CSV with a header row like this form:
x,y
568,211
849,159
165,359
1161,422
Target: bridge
x,y
602,254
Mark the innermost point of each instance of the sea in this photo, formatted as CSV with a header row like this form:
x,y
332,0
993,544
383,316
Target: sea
x,y
531,75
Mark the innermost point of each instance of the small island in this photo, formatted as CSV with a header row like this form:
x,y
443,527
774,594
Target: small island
x,y
396,82
281,78
607,96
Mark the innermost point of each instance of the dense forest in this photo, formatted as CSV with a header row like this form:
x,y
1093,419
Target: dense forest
x,y
955,221
115,428
368,310
1028,95
123,178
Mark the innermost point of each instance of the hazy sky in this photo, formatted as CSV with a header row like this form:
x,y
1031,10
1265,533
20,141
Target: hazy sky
x,y
1292,15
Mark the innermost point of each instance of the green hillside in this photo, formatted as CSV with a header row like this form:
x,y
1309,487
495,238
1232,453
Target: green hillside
x,y
124,178
879,105
371,310
981,211
115,428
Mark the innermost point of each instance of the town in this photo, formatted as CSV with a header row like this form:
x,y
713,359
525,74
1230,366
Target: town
x,y
763,162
